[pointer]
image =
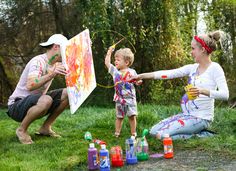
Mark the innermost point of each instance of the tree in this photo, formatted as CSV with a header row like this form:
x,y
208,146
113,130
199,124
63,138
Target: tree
x,y
221,14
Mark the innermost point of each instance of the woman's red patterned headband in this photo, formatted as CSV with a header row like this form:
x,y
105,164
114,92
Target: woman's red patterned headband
x,y
204,45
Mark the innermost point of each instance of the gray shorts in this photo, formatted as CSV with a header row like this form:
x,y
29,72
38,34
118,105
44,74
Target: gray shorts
x,y
20,107
124,109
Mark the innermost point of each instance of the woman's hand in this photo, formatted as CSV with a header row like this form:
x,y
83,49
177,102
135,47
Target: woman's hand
x,y
204,91
194,92
144,76
134,79
139,82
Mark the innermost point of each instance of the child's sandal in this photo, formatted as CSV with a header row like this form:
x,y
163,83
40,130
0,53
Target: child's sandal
x,y
134,134
117,134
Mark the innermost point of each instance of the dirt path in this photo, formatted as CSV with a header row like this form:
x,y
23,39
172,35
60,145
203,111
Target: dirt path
x,y
186,161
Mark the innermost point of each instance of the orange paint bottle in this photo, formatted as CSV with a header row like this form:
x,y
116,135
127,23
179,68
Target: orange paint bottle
x,y
168,147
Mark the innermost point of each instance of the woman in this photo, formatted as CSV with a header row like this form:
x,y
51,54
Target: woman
x,y
208,83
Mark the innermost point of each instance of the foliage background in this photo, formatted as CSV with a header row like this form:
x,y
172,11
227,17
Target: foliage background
x,y
158,31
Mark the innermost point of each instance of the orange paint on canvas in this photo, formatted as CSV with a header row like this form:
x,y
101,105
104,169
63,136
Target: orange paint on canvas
x,y
80,79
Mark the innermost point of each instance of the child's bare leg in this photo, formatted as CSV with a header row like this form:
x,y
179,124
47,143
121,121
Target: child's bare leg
x,y
119,122
133,123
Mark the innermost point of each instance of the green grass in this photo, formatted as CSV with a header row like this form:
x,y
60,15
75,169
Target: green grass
x,y
70,151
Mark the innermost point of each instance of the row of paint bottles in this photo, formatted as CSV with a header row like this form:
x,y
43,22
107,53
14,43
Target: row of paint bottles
x,y
116,157
131,153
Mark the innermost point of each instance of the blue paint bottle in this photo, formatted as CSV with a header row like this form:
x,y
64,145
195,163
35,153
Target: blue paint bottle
x,y
130,145
104,159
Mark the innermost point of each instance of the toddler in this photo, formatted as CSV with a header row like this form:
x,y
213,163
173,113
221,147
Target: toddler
x,y
125,96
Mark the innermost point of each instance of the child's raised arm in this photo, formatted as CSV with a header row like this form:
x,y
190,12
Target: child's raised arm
x,y
108,57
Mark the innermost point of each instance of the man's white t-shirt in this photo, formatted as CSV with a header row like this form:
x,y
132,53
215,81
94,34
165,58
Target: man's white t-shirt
x,y
36,68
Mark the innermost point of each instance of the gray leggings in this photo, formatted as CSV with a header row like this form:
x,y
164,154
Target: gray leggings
x,y
180,126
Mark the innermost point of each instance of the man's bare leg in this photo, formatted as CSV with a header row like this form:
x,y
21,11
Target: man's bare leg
x,y
46,127
33,113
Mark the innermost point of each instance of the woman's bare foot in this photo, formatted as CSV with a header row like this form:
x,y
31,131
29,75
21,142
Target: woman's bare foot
x,y
23,136
158,136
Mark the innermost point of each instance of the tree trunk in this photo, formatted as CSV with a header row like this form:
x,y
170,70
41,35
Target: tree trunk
x,y
58,16
5,86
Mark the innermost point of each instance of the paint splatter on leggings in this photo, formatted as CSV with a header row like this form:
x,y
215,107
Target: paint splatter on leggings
x,y
180,126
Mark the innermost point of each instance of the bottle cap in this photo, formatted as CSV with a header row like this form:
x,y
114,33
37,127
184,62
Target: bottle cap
x,y
91,145
145,132
166,135
88,136
103,146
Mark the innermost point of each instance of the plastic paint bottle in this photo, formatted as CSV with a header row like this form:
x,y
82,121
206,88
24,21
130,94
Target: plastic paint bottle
x,y
144,141
104,159
187,89
130,145
168,147
116,156
142,149
92,157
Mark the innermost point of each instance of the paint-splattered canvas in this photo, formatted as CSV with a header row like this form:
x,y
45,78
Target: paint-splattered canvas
x,y
80,80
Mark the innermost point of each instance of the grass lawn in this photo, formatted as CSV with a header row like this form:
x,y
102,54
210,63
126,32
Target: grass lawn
x,y
70,151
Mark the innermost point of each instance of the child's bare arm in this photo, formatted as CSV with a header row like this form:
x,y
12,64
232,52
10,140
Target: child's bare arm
x,y
108,57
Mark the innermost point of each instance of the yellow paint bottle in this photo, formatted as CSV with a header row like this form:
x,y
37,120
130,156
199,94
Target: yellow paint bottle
x,y
187,88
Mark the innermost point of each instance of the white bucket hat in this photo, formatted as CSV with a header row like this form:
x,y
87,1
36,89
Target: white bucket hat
x,y
58,39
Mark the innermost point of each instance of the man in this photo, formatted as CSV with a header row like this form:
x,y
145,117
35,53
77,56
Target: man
x,y
30,100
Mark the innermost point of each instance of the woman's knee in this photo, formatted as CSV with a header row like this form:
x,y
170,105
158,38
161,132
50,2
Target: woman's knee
x,y
153,131
156,133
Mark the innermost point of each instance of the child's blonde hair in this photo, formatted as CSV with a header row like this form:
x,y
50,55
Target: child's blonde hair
x,y
127,54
